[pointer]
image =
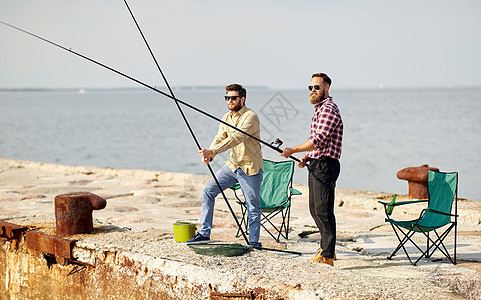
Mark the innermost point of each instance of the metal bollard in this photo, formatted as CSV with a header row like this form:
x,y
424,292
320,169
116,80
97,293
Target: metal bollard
x,y
73,212
417,178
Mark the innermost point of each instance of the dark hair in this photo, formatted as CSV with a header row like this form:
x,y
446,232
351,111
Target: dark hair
x,y
238,88
324,77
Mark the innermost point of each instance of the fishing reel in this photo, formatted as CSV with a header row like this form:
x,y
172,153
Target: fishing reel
x,y
277,143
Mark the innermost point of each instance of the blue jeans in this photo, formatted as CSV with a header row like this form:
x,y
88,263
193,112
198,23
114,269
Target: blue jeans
x,y
251,188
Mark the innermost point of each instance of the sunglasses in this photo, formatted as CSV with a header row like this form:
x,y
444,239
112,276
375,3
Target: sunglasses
x,y
227,98
315,87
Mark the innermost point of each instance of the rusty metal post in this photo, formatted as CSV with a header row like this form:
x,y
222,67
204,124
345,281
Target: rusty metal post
x,y
73,212
417,178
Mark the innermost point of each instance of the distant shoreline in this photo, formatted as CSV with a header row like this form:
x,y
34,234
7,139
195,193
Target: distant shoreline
x,y
210,88
175,88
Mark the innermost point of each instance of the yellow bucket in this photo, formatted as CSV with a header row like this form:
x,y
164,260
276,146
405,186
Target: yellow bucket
x,y
183,231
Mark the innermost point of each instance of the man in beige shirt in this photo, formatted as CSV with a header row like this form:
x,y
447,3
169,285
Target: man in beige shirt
x,y
243,166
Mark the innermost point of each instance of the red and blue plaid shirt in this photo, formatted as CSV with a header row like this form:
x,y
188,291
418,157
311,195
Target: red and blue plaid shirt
x,y
326,130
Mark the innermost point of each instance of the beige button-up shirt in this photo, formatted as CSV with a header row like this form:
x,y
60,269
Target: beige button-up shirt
x,y
246,152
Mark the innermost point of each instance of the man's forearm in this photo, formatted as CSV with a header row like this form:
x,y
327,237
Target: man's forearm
x,y
306,146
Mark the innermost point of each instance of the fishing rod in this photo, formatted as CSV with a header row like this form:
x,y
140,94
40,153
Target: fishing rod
x,y
150,87
277,250
278,141
187,123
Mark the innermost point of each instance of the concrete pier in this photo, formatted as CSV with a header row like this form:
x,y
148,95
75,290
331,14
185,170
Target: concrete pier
x,y
131,253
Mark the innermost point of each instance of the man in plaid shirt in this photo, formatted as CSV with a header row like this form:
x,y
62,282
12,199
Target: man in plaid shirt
x,y
323,152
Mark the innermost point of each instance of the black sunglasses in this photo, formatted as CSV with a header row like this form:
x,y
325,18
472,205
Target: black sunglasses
x,y
316,87
227,98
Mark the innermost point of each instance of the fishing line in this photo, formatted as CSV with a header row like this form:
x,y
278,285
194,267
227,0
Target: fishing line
x,y
187,123
151,87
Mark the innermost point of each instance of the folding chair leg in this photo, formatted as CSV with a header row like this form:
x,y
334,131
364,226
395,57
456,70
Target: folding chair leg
x,y
432,245
243,222
401,245
282,229
267,220
428,247
288,214
435,245
439,245
455,237
401,242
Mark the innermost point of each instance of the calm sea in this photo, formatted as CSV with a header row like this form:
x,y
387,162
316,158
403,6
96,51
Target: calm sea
x,y
385,130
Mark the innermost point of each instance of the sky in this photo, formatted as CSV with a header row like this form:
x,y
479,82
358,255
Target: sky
x,y
279,44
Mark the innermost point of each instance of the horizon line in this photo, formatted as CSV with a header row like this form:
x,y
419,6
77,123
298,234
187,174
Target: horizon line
x,y
219,87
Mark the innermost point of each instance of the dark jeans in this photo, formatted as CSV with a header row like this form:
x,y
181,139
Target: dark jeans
x,y
323,173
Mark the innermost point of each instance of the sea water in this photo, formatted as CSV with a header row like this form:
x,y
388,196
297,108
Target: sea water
x,y
385,130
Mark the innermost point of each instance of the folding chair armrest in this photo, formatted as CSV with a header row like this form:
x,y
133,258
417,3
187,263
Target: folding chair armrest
x,y
402,203
439,212
294,191
235,187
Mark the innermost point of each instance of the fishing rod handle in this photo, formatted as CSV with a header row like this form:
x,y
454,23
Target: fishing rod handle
x,y
280,151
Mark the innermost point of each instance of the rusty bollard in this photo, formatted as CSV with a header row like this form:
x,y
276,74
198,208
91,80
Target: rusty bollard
x,y
73,212
417,178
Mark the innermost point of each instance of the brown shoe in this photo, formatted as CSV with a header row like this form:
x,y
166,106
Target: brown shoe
x,y
318,256
327,260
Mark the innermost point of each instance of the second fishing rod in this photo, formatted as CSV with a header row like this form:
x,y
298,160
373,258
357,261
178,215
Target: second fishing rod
x,y
195,138
191,131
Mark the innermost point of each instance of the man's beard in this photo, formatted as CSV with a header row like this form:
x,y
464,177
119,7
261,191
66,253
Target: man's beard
x,y
236,107
315,98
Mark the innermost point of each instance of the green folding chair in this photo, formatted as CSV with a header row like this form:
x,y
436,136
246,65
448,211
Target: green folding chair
x,y
443,190
276,193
